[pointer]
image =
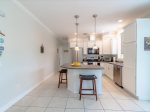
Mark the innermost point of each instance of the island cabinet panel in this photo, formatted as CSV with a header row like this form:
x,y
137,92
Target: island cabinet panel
x,y
74,81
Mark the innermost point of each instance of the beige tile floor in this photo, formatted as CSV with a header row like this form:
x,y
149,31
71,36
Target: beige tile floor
x,y
48,98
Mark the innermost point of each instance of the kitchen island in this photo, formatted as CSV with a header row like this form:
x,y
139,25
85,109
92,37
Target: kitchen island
x,y
73,77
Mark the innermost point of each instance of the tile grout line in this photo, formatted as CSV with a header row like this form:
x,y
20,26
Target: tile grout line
x,y
108,90
123,99
83,102
101,105
48,104
115,100
66,105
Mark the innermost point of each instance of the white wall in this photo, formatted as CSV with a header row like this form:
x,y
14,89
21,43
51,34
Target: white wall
x,y
65,57
23,66
143,57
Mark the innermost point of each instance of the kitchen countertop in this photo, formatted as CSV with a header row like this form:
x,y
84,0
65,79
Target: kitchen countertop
x,y
116,63
82,66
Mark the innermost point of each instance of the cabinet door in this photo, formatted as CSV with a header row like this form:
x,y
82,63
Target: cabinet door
x,y
106,69
72,44
81,44
103,65
90,44
122,43
114,46
106,46
129,69
85,47
130,33
110,71
129,79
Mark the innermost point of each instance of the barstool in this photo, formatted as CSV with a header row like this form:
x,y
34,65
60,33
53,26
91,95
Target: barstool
x,y
88,77
61,72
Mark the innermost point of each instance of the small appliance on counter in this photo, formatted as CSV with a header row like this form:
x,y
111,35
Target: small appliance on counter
x,y
107,57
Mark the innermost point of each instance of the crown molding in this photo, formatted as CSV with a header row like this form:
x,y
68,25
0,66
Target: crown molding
x,y
20,5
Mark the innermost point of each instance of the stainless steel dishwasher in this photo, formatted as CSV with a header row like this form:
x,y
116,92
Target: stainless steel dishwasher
x,y
118,74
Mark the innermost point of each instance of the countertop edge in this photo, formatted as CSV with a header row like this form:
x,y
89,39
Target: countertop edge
x,y
68,66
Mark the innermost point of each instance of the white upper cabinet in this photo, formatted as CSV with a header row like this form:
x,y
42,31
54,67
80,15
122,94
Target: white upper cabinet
x,y
72,44
109,45
85,47
122,43
129,34
106,44
88,44
114,46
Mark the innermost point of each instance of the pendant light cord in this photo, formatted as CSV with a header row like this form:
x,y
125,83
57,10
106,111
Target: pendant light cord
x,y
95,16
76,17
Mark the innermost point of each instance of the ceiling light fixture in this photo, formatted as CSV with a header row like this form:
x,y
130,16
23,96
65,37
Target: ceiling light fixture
x,y
94,36
76,34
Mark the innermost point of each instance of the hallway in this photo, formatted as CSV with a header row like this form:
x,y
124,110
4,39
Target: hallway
x,y
48,98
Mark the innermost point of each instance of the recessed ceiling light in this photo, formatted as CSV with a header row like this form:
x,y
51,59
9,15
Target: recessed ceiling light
x,y
120,21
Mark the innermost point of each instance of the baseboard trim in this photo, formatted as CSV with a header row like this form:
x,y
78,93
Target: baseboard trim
x,y
15,100
131,93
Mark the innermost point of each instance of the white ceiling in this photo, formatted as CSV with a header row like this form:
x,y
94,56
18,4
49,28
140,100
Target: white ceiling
x,y
58,15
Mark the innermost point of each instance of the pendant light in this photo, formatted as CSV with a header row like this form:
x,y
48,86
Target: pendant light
x,y
76,34
94,36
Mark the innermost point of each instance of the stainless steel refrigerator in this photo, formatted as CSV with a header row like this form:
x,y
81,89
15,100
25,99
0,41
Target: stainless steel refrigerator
x,y
76,55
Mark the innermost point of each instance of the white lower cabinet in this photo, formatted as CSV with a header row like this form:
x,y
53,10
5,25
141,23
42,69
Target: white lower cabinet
x,y
108,69
103,65
129,79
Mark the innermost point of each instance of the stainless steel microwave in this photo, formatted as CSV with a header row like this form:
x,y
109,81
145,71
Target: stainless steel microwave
x,y
93,51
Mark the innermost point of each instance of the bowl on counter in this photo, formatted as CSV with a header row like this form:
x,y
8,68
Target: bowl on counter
x,y
76,64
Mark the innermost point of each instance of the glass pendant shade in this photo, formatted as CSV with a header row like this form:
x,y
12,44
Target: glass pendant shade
x,y
77,48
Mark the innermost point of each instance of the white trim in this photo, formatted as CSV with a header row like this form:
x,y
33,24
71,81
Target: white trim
x,y
32,15
15,100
